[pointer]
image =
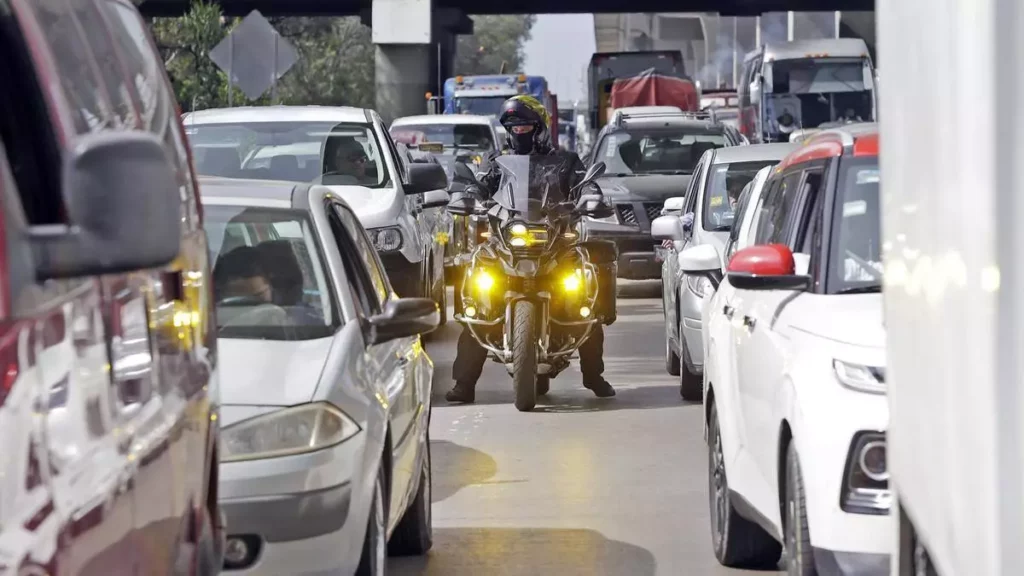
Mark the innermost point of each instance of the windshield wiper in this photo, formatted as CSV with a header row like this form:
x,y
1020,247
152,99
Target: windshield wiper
x,y
871,289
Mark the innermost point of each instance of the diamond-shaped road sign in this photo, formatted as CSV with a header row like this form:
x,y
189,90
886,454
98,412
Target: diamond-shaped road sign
x,y
254,55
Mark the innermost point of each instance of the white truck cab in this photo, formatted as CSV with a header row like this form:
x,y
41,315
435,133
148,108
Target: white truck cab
x,y
954,299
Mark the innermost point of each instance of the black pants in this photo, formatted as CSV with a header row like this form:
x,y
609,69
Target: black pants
x,y
470,357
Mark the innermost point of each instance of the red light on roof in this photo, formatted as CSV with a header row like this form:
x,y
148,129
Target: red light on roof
x,y
815,149
866,145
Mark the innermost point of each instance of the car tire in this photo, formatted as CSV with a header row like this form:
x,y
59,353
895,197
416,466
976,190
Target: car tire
x,y
374,557
414,534
671,358
799,554
691,384
736,541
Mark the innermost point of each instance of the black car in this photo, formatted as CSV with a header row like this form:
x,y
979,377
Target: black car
x,y
650,158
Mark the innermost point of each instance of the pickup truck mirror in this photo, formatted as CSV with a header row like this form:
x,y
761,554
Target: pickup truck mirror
x,y
124,209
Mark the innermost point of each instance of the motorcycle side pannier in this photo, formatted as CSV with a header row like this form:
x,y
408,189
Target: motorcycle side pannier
x,y
605,257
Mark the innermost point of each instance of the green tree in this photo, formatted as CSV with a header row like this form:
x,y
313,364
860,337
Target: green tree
x,y
495,40
336,56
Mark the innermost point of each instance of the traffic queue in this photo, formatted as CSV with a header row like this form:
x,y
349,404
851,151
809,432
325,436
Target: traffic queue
x,y
225,368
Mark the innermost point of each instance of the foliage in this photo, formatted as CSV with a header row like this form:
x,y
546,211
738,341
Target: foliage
x,y
495,40
336,56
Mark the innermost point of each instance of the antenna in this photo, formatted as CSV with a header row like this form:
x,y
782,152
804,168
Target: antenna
x,y
504,64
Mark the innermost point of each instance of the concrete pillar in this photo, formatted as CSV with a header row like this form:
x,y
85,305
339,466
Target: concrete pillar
x,y
413,56
402,79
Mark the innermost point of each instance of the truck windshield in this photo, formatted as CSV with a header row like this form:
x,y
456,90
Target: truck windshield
x,y
656,151
809,92
476,137
481,105
855,264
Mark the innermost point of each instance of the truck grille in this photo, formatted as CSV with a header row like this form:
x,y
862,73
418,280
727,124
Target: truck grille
x,y
626,213
638,214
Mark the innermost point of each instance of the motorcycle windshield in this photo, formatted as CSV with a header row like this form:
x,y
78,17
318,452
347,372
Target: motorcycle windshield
x,y
530,185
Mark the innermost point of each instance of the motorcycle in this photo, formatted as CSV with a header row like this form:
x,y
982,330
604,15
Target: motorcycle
x,y
468,230
534,292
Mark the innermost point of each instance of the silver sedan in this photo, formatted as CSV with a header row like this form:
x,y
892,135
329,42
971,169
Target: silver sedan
x,y
325,461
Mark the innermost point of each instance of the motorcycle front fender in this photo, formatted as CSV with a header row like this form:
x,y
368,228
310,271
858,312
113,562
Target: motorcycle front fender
x,y
540,298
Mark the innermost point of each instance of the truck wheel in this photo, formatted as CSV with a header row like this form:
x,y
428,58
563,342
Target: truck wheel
x,y
524,355
737,542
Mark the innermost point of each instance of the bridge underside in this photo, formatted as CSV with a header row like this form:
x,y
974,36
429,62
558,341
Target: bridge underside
x,y
355,7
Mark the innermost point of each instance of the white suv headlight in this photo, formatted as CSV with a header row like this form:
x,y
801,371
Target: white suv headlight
x,y
859,377
699,285
288,431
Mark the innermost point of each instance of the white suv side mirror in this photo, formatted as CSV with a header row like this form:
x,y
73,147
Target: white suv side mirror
x,y
675,204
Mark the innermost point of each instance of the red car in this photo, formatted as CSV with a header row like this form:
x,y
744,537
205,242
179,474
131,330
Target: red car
x,y
108,409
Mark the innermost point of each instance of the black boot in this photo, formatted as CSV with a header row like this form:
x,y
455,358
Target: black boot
x,y
600,387
462,392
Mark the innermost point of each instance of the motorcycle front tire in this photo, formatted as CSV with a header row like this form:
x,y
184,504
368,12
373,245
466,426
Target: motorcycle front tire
x,y
524,354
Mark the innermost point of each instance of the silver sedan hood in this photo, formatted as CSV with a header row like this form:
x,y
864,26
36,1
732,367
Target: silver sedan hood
x,y
270,372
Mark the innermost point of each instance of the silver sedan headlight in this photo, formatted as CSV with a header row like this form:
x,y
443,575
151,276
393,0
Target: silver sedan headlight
x,y
289,431
387,239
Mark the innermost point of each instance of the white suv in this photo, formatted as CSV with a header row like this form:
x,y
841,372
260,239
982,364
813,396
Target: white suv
x,y
794,381
349,150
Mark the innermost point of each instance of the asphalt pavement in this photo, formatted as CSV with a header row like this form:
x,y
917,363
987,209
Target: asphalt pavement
x,y
581,486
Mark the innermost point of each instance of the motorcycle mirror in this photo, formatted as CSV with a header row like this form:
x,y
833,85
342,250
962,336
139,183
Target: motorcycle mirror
x,y
595,171
464,173
461,203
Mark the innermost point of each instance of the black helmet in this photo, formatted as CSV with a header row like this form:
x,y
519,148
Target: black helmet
x,y
526,121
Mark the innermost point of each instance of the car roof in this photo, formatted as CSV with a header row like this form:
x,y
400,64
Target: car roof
x,y
753,153
254,114
857,139
667,121
822,47
441,119
215,190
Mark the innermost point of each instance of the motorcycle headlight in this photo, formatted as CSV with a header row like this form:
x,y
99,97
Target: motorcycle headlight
x,y
289,431
859,377
387,239
520,235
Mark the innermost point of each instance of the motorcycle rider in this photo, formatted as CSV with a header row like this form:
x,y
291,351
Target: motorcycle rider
x,y
525,120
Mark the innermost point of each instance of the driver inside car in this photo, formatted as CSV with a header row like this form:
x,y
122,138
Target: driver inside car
x,y
525,120
244,291
348,161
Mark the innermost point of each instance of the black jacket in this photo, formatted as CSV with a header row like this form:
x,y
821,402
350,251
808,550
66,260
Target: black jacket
x,y
492,179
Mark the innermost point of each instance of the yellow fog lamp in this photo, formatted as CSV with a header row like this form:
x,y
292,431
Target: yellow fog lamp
x,y
483,280
470,312
584,312
573,281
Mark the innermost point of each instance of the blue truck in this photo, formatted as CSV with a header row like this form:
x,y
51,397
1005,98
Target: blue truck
x,y
483,95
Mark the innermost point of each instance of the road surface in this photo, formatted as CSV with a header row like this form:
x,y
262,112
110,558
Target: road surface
x,y
581,486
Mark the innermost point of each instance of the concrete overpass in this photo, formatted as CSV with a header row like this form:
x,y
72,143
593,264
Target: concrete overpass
x,y
415,39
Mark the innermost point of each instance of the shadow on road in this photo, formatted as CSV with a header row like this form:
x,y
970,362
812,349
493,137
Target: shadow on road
x,y
526,552
639,288
641,398
462,467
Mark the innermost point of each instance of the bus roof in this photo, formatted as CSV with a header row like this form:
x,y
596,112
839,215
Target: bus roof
x,y
824,48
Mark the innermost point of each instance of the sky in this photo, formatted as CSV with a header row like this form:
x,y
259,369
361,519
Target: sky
x,y
559,49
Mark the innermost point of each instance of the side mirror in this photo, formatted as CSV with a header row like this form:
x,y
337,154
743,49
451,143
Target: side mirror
x,y
404,317
435,198
668,228
462,203
703,259
766,267
124,207
673,205
426,177
755,90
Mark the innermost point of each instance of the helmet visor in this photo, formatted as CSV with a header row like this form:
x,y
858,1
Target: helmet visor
x,y
523,129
